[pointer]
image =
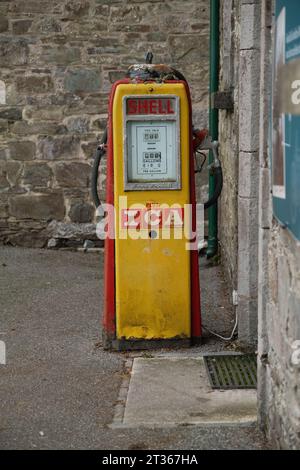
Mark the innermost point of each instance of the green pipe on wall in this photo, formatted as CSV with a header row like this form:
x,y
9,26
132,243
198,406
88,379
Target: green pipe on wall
x,y
212,247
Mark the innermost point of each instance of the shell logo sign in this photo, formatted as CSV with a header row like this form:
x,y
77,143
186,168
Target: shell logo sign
x,y
144,106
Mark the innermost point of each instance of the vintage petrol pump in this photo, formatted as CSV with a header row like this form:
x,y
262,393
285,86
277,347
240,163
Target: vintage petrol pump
x,y
152,293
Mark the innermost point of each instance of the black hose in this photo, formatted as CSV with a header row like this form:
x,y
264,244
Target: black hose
x,y
218,170
218,188
95,170
179,75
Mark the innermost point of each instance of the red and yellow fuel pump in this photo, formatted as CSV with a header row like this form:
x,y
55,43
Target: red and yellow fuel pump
x,y
152,292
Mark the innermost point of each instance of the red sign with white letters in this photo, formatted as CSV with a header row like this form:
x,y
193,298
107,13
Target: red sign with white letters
x,y
153,217
144,106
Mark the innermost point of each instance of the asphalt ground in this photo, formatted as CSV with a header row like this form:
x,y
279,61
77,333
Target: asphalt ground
x,y
59,388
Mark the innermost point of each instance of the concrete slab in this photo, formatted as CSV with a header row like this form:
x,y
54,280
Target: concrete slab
x,y
166,391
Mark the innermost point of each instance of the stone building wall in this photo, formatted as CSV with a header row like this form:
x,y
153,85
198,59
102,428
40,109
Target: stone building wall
x,y
264,257
279,377
229,136
279,288
58,60
239,142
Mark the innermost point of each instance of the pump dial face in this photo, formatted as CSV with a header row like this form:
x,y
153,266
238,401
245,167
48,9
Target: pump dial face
x,y
152,143
151,151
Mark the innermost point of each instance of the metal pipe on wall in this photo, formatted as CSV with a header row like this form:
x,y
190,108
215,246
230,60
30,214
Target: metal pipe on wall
x,y
214,49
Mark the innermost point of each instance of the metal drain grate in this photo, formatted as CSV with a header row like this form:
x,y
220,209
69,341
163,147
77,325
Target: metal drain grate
x,y
231,371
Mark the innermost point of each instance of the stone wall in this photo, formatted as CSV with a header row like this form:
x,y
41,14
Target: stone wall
x,y
229,137
262,258
279,378
279,289
239,143
249,78
58,60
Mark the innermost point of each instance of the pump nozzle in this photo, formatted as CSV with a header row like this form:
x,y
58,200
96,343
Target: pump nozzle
x,y
149,57
202,141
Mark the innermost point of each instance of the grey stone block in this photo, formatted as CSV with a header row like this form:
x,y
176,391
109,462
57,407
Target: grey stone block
x,y
3,24
77,8
247,321
43,113
72,174
3,126
188,47
25,128
11,114
34,84
248,175
265,199
248,103
58,147
37,206
13,171
47,25
72,231
77,124
37,175
35,6
81,212
82,80
250,26
22,150
13,51
60,55
21,26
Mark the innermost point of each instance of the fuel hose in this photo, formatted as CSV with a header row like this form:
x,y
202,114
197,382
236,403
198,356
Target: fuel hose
x,y
95,170
218,174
